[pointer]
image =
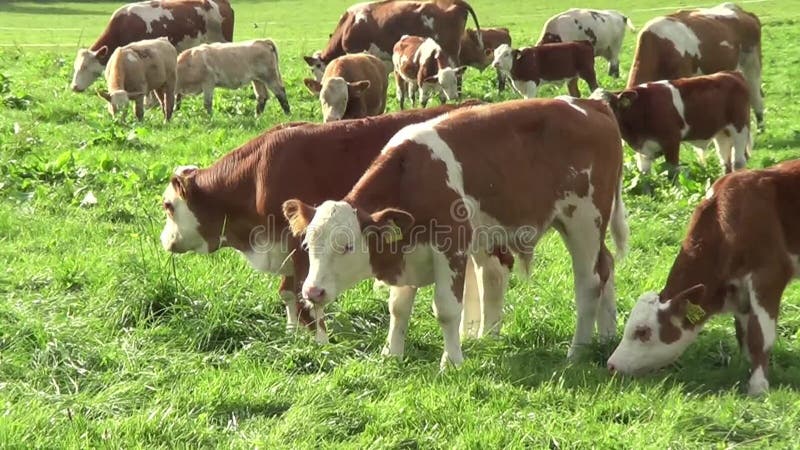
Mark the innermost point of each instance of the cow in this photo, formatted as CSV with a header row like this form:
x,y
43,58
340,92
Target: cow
x,y
421,65
605,29
354,86
740,252
185,23
135,70
232,65
473,55
701,42
236,202
436,198
654,118
530,67
375,27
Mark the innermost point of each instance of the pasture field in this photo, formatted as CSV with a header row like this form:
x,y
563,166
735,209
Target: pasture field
x,y
107,341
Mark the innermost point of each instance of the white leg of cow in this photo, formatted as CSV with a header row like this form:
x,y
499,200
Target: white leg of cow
x,y
643,162
607,312
724,146
208,99
750,65
401,303
526,89
492,283
471,316
447,308
412,93
741,146
290,300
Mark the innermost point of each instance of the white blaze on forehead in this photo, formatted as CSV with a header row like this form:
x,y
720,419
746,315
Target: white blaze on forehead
x,y
571,102
333,98
502,57
149,14
181,230
677,103
685,40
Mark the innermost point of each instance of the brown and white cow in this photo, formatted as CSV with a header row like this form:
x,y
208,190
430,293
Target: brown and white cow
x,y
473,55
375,27
654,118
530,67
135,70
421,65
701,42
231,66
237,201
741,251
185,23
353,86
605,29
436,198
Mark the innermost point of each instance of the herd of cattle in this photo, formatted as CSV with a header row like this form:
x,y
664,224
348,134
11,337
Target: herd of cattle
x,y
454,195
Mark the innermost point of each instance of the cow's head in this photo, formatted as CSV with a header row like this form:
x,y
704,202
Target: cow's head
x,y
87,68
619,102
504,57
549,38
447,79
658,332
339,240
335,94
181,231
316,64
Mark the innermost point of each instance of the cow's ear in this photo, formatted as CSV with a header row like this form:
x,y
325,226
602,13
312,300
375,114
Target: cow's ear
x,y
101,52
299,215
627,98
391,225
357,88
313,85
104,95
685,303
431,79
183,179
310,60
516,54
460,70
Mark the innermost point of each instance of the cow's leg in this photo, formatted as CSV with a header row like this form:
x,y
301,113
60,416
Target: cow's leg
x,y
672,156
412,93
766,286
275,85
501,81
471,316
208,99
169,102
741,147
613,67
289,297
643,162
261,96
401,303
400,89
138,108
448,276
607,312
724,145
572,87
178,101
424,95
492,279
740,323
750,65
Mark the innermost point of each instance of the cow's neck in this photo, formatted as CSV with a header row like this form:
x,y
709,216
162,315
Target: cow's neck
x,y
333,49
380,187
110,40
700,265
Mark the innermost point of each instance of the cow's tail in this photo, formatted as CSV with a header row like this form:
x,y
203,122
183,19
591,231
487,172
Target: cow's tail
x,y
619,224
478,34
629,23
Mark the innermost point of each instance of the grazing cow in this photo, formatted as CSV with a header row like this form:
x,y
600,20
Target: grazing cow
x,y
605,29
375,27
135,70
354,86
237,201
654,118
702,42
231,66
473,55
741,251
436,197
421,65
530,67
185,23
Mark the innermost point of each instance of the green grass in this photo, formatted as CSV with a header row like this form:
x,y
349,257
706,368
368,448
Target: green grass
x,y
107,341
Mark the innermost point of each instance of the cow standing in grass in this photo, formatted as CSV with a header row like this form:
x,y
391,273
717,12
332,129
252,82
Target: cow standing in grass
x,y
422,66
481,57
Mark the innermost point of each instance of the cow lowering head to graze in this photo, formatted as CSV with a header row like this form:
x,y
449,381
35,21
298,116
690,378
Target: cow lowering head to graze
x,y
604,29
530,67
421,65
654,118
462,185
740,252
231,66
237,201
133,71
701,42
353,86
375,27
481,57
185,23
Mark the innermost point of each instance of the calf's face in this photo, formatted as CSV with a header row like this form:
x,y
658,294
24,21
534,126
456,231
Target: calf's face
x,y
181,231
447,78
503,58
87,68
316,64
334,95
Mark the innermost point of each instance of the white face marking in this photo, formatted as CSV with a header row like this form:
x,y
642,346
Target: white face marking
x,y
333,99
318,69
361,16
571,102
87,68
502,58
641,348
448,80
181,231
684,39
338,254
427,22
149,14
677,102
119,100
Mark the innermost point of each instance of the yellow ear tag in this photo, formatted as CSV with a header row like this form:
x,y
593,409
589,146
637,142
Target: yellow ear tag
x,y
694,313
393,233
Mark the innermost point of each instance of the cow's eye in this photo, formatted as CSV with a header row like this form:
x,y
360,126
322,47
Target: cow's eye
x,y
168,207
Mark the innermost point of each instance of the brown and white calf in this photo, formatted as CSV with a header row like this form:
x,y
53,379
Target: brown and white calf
x,y
353,86
481,57
604,29
654,118
185,23
436,198
237,201
375,27
231,66
530,67
421,65
135,70
701,42
740,252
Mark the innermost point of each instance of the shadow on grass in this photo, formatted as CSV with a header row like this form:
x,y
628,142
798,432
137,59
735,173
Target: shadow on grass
x,y
248,409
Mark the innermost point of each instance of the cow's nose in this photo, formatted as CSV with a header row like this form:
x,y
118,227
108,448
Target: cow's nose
x,y
313,293
611,367
75,88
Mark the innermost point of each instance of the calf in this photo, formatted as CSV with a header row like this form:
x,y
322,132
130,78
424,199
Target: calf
x,y
604,29
741,251
421,65
655,118
480,57
237,201
137,69
232,65
353,86
530,67
553,163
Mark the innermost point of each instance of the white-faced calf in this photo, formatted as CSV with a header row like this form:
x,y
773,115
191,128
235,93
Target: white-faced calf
x,y
741,251
421,65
